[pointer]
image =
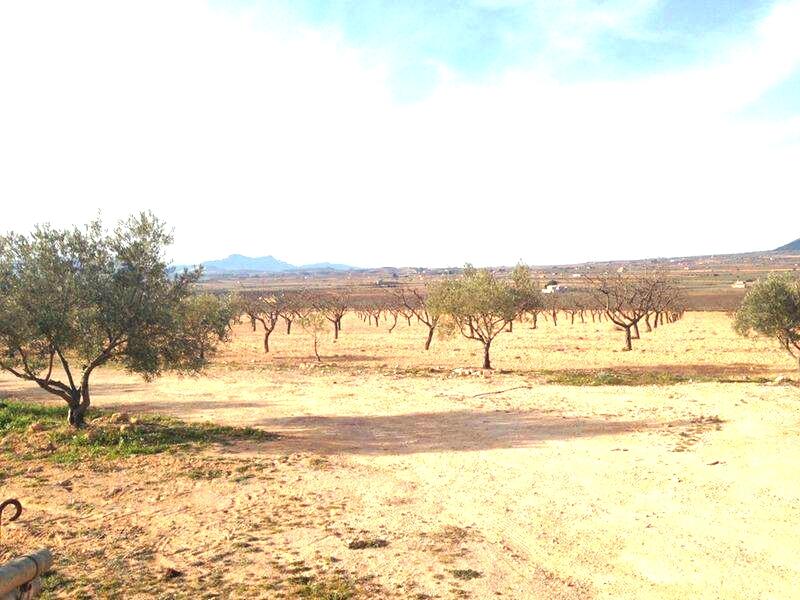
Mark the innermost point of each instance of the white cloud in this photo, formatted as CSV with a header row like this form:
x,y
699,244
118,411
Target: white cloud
x,y
259,139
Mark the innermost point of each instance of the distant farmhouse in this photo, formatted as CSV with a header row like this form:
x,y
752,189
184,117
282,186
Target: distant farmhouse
x,y
742,284
554,288
387,283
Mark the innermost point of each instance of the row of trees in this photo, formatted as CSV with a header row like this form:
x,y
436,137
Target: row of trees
x,y
479,305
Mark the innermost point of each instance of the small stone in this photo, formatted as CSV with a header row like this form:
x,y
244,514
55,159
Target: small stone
x,y
170,573
169,567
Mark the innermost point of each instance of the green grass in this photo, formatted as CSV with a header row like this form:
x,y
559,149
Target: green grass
x,y
635,378
466,574
335,588
53,582
18,416
149,434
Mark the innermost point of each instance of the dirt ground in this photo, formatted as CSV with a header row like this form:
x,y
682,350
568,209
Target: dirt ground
x,y
460,483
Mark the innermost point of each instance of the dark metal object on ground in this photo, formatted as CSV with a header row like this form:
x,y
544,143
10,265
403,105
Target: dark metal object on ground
x,y
13,503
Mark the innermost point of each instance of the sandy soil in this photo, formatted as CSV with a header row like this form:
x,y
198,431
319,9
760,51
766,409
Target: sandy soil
x,y
481,486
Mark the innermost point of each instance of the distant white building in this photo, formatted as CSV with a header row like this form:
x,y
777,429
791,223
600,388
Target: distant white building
x,y
554,288
740,285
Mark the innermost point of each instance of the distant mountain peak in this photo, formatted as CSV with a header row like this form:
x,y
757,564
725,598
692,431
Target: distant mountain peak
x,y
790,247
239,263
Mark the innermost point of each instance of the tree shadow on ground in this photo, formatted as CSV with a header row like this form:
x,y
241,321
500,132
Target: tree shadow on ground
x,y
329,358
108,397
452,431
25,390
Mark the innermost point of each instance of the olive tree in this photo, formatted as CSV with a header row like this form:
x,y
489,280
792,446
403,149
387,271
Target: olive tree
x,y
73,300
481,305
772,308
207,320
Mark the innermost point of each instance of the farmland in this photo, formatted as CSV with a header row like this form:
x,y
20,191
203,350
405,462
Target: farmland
x,y
348,300
573,470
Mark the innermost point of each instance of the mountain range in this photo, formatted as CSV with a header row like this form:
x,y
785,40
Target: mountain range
x,y
238,263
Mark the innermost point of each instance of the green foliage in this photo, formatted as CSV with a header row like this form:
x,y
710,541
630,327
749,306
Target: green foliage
x,y
314,323
88,296
480,298
772,308
591,377
103,440
480,305
206,320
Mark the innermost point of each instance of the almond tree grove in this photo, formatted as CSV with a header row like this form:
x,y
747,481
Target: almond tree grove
x,y
480,305
76,299
772,308
626,300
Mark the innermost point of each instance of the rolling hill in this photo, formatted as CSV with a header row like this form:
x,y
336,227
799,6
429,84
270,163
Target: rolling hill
x,y
790,247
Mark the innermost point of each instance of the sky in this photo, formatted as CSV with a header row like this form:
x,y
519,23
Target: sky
x,y
414,133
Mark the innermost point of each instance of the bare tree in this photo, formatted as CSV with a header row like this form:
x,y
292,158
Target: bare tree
x,y
297,304
552,304
416,304
626,300
393,308
267,310
333,306
574,304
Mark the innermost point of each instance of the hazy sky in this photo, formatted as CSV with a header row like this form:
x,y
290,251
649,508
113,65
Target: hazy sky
x,y
421,132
